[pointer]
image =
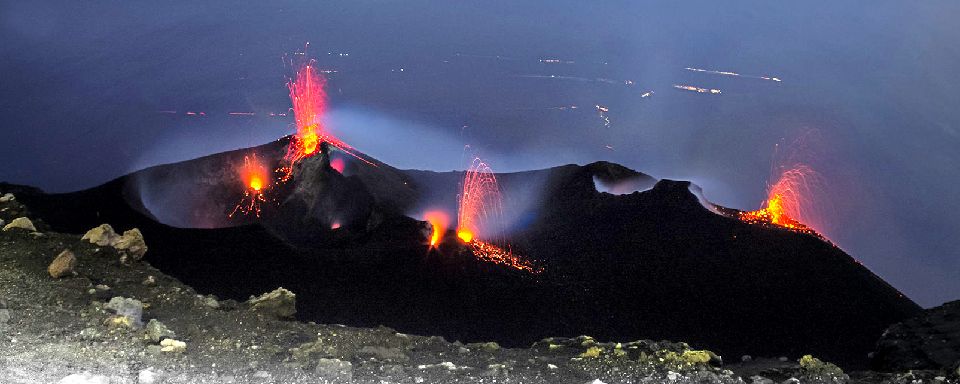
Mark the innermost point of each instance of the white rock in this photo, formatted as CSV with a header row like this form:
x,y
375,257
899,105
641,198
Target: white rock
x,y
147,376
84,378
551,366
131,308
21,223
595,381
7,197
174,346
262,374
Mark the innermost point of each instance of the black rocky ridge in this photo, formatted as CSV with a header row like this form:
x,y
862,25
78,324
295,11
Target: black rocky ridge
x,y
657,263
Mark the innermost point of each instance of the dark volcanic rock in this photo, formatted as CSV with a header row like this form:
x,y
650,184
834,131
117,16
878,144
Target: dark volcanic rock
x,y
928,341
651,263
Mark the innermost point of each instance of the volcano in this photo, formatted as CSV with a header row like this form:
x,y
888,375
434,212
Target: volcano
x,y
651,260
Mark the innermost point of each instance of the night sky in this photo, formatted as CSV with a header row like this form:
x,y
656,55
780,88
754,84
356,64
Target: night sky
x,y
92,91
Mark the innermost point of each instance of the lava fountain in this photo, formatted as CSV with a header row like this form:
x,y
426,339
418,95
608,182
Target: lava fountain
x,y
789,201
309,101
480,212
480,203
255,177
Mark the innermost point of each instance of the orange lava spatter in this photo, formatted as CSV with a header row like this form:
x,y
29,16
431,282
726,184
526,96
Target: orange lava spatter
x,y
480,204
788,203
491,253
254,176
480,212
309,101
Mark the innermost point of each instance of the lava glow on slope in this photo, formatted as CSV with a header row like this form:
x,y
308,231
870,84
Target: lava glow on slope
x,y
438,222
480,211
255,180
788,202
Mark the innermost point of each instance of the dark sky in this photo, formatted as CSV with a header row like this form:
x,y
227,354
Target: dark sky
x,y
83,87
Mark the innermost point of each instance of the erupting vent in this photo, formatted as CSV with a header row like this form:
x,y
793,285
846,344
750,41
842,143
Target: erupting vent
x,y
480,212
255,181
309,104
788,202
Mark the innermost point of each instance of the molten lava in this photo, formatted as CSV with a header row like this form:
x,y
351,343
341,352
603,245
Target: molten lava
x,y
438,222
465,235
480,212
494,254
254,175
256,183
788,202
309,141
309,101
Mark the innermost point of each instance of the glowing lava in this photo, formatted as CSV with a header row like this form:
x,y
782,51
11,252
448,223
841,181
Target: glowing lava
x,y
254,176
465,235
309,101
256,183
480,204
788,202
338,164
480,212
439,221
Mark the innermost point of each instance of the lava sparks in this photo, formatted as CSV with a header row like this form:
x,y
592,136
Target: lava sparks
x,y
480,212
494,254
309,104
480,204
255,177
788,202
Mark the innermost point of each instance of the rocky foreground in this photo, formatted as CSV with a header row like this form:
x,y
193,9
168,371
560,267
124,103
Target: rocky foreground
x,y
87,310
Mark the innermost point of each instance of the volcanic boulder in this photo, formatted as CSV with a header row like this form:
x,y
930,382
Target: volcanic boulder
x,y
20,223
63,265
280,303
132,244
130,309
102,235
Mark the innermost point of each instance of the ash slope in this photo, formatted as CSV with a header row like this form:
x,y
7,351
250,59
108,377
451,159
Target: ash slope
x,y
654,264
